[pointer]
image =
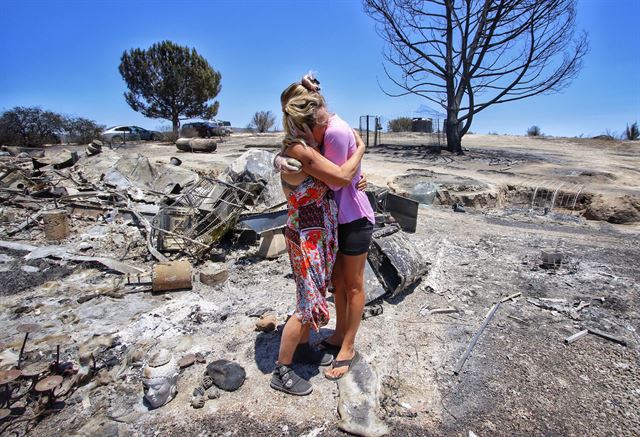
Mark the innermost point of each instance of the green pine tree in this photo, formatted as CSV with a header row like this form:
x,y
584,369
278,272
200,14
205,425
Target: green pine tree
x,y
171,82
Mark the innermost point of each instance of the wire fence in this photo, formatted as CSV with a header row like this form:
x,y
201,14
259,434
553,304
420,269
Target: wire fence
x,y
424,132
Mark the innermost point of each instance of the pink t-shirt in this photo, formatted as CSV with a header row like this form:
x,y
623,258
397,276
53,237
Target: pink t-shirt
x,y
339,144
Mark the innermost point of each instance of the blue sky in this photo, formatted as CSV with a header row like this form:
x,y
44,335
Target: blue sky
x,y
64,56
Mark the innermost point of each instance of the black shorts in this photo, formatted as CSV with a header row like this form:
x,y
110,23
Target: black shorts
x,y
354,237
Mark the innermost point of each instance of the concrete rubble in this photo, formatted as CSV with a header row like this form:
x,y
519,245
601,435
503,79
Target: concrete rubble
x,y
153,227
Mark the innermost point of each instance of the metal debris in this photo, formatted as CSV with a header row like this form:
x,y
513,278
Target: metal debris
x,y
475,338
396,261
607,336
171,276
575,337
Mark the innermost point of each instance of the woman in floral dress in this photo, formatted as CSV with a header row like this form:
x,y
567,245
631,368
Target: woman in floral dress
x,y
311,231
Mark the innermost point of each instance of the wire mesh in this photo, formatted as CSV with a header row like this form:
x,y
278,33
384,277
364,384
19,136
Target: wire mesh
x,y
199,217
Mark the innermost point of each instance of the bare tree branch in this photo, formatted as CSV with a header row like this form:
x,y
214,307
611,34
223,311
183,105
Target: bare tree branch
x,y
467,55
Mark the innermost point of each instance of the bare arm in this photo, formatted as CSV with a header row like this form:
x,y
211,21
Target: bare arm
x,y
316,165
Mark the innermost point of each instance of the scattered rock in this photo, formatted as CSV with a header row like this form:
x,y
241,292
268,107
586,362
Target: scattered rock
x,y
187,361
358,402
258,311
200,358
267,323
226,374
625,209
214,274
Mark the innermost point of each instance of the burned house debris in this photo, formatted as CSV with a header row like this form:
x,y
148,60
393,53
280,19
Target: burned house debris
x,y
111,255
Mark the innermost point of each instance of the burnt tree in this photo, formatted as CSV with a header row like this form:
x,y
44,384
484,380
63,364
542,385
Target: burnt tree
x,y
466,55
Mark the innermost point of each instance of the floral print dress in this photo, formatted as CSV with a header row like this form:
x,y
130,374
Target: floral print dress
x,y
311,235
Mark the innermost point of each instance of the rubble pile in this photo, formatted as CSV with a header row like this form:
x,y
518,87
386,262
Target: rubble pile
x,y
142,224
100,237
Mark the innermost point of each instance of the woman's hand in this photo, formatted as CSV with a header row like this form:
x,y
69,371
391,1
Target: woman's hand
x,y
362,183
310,83
287,165
359,141
308,137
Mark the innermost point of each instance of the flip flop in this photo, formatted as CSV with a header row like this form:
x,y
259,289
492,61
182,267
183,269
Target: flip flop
x,y
342,363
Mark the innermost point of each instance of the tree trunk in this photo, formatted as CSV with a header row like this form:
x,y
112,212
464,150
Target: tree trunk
x,y
454,144
176,124
454,137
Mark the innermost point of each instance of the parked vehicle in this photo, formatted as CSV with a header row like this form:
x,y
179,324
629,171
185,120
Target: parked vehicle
x,y
206,129
122,134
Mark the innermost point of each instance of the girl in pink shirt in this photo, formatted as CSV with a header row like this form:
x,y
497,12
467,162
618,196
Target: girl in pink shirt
x,y
355,228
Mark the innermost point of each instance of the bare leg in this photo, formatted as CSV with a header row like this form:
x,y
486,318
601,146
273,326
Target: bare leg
x,y
353,276
340,300
291,335
306,331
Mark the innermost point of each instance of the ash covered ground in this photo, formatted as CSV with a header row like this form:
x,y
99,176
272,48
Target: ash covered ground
x,y
520,378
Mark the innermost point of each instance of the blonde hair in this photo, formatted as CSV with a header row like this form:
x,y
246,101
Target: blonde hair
x,y
300,106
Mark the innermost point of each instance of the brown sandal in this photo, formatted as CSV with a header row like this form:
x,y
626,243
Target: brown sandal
x,y
342,363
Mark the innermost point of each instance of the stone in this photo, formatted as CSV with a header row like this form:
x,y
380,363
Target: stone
x,y
187,361
272,244
358,402
226,374
267,323
214,274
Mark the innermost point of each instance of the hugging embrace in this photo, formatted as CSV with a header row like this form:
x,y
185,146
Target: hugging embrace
x,y
328,232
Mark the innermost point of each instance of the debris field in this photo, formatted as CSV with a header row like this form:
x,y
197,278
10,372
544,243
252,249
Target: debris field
x,y
503,291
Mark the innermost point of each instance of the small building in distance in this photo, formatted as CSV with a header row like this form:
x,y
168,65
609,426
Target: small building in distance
x,y
420,124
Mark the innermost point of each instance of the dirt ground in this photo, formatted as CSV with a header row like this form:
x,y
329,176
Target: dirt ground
x,y
520,379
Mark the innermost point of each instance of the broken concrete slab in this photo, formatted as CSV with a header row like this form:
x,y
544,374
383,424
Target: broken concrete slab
x,y
256,167
214,274
358,403
60,252
272,245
